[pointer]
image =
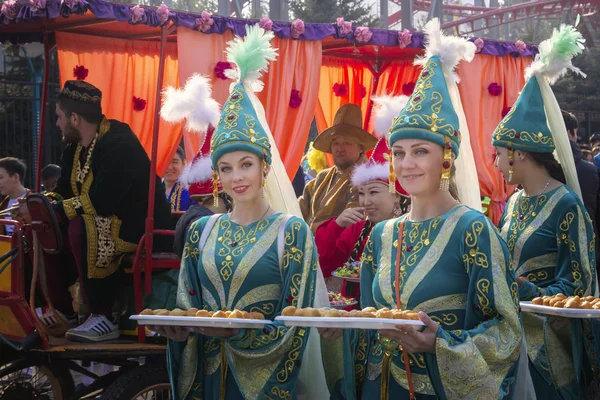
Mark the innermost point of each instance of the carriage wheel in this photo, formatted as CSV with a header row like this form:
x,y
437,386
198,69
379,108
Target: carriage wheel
x,y
25,379
147,382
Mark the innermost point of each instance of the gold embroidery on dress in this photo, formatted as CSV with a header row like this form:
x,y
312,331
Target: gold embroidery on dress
x,y
525,232
474,257
433,254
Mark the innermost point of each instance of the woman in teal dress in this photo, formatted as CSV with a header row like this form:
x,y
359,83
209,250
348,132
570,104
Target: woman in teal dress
x,y
444,260
253,259
546,225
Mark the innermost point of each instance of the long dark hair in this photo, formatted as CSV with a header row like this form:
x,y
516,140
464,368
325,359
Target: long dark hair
x,y
548,161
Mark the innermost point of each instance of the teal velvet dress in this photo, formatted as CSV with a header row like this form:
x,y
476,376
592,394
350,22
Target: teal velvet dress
x,y
456,269
551,238
239,268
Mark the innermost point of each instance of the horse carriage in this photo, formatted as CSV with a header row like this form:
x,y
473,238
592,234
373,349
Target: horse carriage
x,y
357,64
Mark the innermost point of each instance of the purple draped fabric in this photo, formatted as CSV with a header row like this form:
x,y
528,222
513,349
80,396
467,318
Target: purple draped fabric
x,y
122,13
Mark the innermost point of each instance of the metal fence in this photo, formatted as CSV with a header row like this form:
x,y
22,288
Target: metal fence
x,y
20,109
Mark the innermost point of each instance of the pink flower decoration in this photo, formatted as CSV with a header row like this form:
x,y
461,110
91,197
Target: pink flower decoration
x,y
9,9
295,99
521,46
340,90
163,13
205,22
479,44
137,13
363,91
220,69
404,38
37,5
345,26
505,111
408,88
495,89
80,72
138,103
266,23
71,3
297,28
363,34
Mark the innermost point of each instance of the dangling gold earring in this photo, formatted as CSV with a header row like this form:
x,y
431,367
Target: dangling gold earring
x,y
511,163
215,188
392,175
397,210
446,166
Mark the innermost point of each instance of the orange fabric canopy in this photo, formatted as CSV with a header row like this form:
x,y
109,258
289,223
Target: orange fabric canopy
x,y
122,69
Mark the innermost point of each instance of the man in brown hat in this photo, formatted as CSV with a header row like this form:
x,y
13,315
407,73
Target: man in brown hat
x,y
331,191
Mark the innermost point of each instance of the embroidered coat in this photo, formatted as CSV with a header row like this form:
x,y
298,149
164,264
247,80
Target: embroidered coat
x,y
323,199
456,269
179,198
108,187
551,238
239,268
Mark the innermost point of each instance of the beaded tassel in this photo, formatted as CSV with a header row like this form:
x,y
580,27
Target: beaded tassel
x,y
392,176
264,162
511,163
446,166
215,178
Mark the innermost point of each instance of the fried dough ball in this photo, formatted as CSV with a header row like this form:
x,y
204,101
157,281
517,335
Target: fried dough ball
x,y
161,311
220,314
332,313
572,303
385,313
177,313
191,312
289,311
538,300
257,315
147,311
203,314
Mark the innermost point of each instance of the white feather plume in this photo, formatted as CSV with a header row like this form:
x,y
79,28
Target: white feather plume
x,y
386,108
450,49
198,171
556,53
193,102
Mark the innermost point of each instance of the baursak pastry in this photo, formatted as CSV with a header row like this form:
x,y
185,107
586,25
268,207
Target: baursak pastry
x,y
289,311
147,311
191,312
204,314
177,313
572,302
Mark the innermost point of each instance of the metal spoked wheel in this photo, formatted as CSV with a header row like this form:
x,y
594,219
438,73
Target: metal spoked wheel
x,y
146,382
160,391
23,380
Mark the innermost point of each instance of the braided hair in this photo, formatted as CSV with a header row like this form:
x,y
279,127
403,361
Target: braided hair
x,y
364,233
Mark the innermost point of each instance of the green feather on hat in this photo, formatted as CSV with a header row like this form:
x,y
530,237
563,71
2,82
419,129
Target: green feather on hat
x,y
240,128
526,126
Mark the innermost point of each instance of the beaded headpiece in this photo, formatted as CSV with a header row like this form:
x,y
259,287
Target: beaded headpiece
x,y
81,91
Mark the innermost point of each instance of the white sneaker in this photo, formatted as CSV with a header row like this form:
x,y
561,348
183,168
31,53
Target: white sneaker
x,y
97,328
53,321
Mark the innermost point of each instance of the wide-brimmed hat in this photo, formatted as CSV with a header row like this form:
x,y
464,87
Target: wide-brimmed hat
x,y
347,123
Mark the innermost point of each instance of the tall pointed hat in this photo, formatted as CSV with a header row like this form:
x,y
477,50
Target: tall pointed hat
x,y
535,123
243,124
430,113
195,104
378,167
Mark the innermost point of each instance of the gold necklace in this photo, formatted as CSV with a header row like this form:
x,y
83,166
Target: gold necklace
x,y
268,208
81,173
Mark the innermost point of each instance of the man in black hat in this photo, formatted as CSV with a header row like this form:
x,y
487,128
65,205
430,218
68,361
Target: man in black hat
x,y
102,199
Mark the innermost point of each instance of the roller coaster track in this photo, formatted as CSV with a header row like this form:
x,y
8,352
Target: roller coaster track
x,y
471,19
